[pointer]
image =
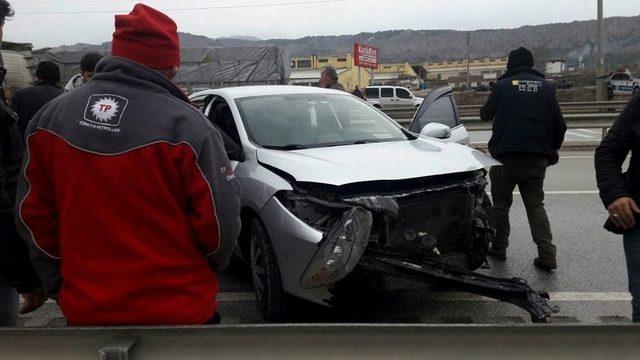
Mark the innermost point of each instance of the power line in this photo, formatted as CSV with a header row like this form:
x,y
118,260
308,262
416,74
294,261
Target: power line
x,y
69,2
293,3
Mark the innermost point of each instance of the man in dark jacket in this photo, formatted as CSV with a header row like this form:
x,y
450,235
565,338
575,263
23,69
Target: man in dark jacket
x,y
27,102
127,197
620,192
528,130
16,272
357,92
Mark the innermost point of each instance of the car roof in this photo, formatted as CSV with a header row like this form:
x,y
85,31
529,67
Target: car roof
x,y
249,91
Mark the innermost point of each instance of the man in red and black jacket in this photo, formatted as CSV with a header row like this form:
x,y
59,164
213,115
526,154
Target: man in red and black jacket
x,y
127,196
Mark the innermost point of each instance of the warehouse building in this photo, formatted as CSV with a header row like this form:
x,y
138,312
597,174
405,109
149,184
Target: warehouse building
x,y
482,72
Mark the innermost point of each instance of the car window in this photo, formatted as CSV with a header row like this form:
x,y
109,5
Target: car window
x,y
441,111
403,93
221,117
372,93
620,77
386,92
314,121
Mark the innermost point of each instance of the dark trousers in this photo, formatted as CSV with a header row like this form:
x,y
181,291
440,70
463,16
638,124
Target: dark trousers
x,y
527,171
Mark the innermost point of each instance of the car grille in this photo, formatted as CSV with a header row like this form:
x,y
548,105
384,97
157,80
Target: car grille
x,y
432,225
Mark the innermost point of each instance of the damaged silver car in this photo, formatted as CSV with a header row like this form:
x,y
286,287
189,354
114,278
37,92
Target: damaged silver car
x,y
334,191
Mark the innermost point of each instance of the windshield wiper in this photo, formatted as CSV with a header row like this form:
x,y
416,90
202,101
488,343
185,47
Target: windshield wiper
x,y
356,142
285,147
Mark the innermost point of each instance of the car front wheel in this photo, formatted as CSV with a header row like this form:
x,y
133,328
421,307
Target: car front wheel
x,y
271,299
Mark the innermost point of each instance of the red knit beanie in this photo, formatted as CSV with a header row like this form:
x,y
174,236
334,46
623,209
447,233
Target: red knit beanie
x,y
147,36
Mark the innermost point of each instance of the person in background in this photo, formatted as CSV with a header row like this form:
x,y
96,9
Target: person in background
x,y
357,93
128,200
528,131
27,102
87,68
17,275
329,79
620,192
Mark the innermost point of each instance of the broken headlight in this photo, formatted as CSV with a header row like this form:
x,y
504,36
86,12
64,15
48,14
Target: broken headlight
x,y
340,249
318,213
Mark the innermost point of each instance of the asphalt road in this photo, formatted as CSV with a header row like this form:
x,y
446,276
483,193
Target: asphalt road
x,y
589,286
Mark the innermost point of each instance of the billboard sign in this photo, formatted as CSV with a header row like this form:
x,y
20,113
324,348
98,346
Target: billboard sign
x,y
365,56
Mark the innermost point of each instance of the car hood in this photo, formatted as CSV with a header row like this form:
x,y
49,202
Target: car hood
x,y
398,160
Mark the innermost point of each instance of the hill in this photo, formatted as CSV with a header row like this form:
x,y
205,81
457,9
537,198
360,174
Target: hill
x,y
567,41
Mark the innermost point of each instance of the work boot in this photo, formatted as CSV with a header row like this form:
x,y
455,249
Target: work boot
x,y
498,254
544,265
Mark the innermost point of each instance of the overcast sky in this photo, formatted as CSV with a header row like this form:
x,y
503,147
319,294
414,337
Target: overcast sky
x,y
61,22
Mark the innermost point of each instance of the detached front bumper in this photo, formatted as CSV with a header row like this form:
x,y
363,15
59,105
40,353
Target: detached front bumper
x,y
515,291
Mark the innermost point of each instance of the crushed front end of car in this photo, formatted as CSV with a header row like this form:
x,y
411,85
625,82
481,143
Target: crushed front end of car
x,y
434,230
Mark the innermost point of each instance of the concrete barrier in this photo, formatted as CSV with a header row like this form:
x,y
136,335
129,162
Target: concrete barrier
x,y
326,341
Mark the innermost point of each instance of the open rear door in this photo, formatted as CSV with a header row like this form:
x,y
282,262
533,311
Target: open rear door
x,y
440,107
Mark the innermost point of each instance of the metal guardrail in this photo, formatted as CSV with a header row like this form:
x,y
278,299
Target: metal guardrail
x,y
601,107
326,341
578,115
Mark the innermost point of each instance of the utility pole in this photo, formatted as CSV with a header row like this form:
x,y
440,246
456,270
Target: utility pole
x,y
469,58
601,91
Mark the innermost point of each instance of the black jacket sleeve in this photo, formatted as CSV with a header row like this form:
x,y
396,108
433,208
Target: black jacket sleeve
x,y
612,152
489,109
559,125
15,265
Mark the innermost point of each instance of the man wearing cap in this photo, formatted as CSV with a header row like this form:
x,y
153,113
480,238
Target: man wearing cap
x,y
127,197
528,130
27,102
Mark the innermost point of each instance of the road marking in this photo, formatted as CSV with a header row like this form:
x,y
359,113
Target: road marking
x,y
573,133
236,296
460,296
577,157
555,296
578,192
589,131
463,296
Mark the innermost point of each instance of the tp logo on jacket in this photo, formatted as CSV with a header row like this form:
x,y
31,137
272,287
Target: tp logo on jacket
x,y
104,110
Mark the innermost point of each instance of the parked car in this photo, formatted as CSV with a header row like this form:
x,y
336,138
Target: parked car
x,y
384,97
622,83
337,197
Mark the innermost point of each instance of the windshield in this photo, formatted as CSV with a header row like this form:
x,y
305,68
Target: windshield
x,y
301,121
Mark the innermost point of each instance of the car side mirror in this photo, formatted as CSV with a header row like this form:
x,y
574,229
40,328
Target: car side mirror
x,y
436,130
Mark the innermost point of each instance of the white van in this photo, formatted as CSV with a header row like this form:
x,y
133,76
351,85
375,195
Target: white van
x,y
385,97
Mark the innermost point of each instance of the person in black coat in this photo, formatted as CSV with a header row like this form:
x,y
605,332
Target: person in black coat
x,y
620,192
528,130
17,274
357,92
27,102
